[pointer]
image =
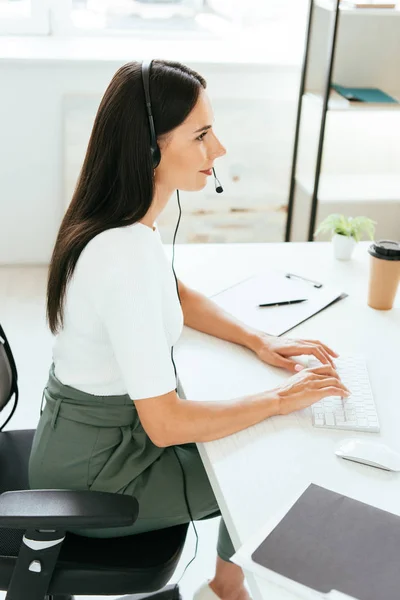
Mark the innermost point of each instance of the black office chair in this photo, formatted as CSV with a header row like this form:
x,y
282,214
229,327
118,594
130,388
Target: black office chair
x,y
40,560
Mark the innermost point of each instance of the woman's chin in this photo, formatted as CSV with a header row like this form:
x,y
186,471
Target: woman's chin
x,y
202,185
194,188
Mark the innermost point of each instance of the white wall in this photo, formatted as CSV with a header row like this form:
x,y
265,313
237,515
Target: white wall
x,y
31,157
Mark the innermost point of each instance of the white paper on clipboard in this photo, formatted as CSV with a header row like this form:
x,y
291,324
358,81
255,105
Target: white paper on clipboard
x,y
243,298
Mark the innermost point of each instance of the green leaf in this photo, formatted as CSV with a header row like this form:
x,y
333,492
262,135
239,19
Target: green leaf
x,y
351,226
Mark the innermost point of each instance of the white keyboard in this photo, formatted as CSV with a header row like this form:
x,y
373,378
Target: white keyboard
x,y
356,412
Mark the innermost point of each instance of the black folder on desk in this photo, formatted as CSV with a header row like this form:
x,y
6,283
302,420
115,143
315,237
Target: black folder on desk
x,y
328,541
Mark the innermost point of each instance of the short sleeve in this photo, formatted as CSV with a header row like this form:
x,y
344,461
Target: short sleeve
x,y
127,296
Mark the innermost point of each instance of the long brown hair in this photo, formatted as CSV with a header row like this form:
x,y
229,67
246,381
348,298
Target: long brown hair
x,y
116,184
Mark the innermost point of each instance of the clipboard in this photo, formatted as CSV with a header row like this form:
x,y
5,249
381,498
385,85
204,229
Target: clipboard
x,y
242,299
330,546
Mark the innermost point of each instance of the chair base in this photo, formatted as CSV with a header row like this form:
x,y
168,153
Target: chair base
x,y
169,592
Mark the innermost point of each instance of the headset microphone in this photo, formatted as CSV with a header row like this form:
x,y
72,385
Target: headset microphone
x,y
218,188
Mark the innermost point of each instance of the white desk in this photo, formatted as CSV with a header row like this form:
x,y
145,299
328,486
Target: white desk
x,y
283,454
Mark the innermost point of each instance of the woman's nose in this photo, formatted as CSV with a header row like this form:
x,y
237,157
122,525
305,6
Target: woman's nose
x,y
223,150
219,150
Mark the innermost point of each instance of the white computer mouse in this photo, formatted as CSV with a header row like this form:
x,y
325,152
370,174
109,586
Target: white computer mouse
x,y
369,452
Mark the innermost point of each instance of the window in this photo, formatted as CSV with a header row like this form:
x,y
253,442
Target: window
x,y
194,19
174,19
24,17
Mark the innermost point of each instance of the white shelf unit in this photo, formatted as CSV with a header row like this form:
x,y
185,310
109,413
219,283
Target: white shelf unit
x,y
374,195
367,50
367,54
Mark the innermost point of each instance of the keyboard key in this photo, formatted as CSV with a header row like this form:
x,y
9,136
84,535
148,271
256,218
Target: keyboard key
x,y
356,412
329,419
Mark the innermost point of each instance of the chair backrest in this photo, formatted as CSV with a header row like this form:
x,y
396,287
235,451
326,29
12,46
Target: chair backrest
x,y
15,450
8,375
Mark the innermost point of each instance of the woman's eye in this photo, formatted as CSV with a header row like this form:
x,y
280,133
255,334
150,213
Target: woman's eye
x,y
201,136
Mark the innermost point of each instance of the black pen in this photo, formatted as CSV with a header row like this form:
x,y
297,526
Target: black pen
x,y
283,303
292,276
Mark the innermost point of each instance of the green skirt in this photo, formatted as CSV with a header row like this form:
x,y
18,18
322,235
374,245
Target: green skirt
x,y
88,442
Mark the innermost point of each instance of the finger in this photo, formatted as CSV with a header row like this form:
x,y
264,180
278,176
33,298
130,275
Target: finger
x,y
329,350
297,349
332,391
322,377
324,369
320,349
329,382
318,353
285,363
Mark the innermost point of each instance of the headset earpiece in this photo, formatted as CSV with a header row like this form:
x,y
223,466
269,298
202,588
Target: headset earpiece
x,y
154,147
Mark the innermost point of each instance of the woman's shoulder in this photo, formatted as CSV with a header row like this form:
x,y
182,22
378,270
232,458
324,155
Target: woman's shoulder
x,y
112,240
117,249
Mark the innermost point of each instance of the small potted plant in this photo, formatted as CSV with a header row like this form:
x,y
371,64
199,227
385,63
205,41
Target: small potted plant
x,y
347,231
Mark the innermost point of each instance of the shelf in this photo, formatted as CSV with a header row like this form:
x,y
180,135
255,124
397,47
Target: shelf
x,y
373,12
363,53
354,187
338,103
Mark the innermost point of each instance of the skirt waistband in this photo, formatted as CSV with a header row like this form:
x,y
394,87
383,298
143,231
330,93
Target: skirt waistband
x,y
100,411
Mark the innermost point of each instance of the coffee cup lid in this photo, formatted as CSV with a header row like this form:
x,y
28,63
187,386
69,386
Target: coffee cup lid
x,y
386,249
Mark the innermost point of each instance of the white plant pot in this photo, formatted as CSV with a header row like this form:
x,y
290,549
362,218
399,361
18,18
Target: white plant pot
x,y
343,246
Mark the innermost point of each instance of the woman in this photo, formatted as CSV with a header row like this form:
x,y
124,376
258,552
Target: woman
x,y
113,419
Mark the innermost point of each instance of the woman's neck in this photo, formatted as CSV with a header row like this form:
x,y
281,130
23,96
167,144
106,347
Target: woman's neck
x,y
159,202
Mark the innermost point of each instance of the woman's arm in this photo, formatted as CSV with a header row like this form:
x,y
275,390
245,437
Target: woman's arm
x,y
203,314
169,420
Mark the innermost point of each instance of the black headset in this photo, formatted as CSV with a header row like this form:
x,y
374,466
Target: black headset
x,y
155,150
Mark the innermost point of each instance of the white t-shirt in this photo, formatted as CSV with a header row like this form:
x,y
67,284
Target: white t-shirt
x,y
121,317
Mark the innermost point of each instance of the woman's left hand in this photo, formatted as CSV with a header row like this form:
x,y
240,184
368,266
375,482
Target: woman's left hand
x,y
276,350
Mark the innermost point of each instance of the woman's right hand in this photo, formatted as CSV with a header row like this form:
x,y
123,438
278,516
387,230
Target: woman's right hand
x,y
309,386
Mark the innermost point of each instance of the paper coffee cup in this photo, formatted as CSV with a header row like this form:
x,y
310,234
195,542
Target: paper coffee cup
x,y
384,274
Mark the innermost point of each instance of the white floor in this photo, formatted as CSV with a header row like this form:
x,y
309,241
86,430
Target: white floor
x,y
22,314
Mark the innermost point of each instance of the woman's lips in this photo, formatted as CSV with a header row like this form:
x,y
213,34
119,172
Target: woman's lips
x,y
207,172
